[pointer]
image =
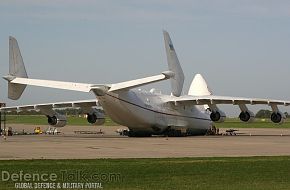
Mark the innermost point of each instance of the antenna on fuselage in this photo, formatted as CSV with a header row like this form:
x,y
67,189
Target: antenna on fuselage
x,y
174,66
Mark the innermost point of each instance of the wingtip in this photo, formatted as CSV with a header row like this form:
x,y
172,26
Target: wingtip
x,y
164,31
12,38
9,78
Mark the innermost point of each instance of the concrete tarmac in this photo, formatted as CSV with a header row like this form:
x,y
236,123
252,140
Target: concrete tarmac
x,y
68,145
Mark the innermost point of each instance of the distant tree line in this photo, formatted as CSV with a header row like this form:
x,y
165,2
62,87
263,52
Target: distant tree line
x,y
67,111
32,112
266,114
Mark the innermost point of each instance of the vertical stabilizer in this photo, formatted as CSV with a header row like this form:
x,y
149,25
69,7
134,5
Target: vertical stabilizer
x,y
199,87
16,69
174,66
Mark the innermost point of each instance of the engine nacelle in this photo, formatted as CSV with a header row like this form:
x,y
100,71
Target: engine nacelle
x,y
278,117
56,120
96,118
218,116
247,116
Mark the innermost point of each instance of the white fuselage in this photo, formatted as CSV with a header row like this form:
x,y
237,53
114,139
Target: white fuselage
x,y
150,112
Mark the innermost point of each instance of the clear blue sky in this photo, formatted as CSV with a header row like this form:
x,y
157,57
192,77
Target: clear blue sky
x,y
241,47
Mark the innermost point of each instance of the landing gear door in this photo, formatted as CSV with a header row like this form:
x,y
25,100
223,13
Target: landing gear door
x,y
160,117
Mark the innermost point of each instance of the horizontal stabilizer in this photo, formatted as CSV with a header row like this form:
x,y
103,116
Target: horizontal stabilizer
x,y
17,78
82,87
140,82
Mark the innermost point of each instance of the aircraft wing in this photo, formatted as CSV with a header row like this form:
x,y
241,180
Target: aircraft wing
x,y
213,100
83,104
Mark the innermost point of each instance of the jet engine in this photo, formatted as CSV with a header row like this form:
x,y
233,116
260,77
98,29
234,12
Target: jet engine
x,y
96,117
278,117
218,116
247,116
56,120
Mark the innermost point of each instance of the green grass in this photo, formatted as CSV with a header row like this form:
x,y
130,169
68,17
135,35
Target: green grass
x,y
249,173
229,123
258,123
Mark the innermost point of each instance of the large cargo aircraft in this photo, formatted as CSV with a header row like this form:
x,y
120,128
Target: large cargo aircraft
x,y
144,113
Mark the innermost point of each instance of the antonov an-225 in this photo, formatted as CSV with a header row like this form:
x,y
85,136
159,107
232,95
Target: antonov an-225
x,y
144,113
